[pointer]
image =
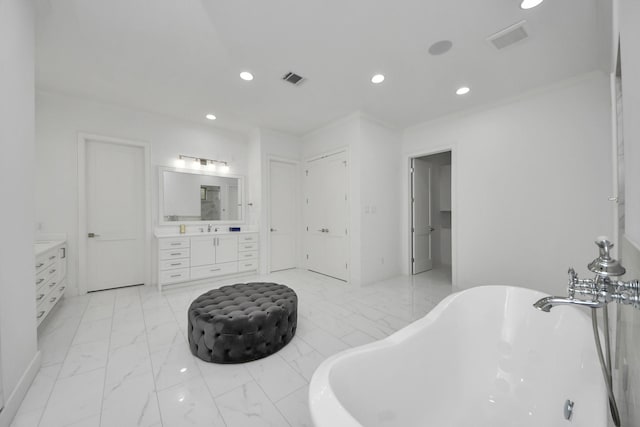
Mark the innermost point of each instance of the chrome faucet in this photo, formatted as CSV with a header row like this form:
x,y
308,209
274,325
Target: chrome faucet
x,y
600,290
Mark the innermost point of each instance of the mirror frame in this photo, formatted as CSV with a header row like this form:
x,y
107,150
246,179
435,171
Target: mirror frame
x,y
162,221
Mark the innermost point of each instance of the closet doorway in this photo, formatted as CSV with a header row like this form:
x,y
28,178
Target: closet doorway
x,y
113,215
326,215
431,212
283,214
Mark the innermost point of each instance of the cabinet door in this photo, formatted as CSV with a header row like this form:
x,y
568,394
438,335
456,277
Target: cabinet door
x,y
227,249
203,251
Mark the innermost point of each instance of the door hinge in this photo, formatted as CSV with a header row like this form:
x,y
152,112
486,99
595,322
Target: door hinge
x,y
345,197
346,232
307,256
307,228
307,200
413,260
306,172
412,170
346,266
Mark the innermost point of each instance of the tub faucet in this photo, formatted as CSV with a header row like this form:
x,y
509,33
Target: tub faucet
x,y
600,290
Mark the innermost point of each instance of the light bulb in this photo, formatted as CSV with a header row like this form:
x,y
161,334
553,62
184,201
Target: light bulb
x,y
377,79
224,168
179,163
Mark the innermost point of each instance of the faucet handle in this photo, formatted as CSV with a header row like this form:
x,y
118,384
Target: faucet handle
x,y
573,281
604,245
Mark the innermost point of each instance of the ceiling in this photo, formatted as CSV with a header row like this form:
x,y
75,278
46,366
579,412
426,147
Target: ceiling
x,y
182,57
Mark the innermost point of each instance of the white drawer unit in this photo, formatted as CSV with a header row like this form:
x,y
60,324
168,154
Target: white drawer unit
x,y
248,247
174,253
248,265
205,255
51,269
248,238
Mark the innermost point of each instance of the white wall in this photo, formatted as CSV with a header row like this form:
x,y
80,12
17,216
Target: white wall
x,y
379,181
59,119
18,356
531,180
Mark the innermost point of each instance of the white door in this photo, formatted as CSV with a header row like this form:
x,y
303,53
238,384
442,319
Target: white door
x,y
115,185
421,216
326,216
282,214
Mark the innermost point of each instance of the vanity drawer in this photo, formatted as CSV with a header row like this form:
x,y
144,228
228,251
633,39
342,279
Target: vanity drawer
x,y
213,270
173,276
174,253
248,238
172,264
46,275
46,302
182,242
247,255
248,265
45,260
248,247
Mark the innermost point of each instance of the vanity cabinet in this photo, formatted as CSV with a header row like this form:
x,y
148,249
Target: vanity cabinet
x,y
182,259
51,272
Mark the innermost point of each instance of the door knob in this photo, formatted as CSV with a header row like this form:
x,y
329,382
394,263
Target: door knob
x,y
92,235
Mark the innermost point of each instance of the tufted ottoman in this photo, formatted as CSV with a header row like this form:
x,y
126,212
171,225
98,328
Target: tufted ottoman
x,y
242,322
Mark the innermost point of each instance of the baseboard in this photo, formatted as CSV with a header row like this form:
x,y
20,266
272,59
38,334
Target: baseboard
x,y
13,402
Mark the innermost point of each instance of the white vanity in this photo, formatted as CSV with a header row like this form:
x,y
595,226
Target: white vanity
x,y
197,256
51,271
202,202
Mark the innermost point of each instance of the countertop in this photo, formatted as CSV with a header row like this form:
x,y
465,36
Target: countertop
x,y
205,233
42,246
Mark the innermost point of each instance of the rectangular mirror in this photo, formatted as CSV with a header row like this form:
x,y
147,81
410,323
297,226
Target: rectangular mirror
x,y
194,196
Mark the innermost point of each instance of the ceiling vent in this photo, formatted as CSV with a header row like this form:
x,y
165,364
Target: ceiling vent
x,y
293,78
509,36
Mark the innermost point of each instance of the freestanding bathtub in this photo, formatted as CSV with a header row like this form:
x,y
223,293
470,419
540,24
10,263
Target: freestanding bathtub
x,y
483,357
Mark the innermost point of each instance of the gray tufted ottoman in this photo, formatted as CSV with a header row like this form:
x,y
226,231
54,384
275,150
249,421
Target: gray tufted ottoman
x,y
242,322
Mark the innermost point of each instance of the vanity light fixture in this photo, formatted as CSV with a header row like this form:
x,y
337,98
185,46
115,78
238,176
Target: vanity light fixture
x,y
202,163
530,4
247,76
211,116
463,90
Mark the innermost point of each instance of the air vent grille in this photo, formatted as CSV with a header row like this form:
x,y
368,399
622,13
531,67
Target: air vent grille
x,y
509,36
293,78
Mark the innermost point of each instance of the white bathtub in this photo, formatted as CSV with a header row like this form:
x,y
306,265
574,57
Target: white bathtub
x,y
482,358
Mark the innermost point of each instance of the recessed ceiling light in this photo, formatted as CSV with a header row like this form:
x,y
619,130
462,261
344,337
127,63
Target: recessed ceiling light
x,y
210,116
530,4
245,75
377,79
462,90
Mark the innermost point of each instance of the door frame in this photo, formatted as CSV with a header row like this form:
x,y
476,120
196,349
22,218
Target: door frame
x,y
350,227
83,139
454,207
298,214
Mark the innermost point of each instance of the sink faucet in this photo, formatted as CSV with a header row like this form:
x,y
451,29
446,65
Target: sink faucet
x,y
600,290
209,228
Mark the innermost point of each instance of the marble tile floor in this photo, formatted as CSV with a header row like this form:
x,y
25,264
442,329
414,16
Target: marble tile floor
x,y
121,358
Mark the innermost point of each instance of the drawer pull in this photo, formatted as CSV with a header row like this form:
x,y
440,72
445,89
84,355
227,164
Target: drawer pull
x,y
53,270
248,265
61,288
176,275
176,244
52,284
39,281
214,269
248,255
39,297
40,265
176,253
41,314
53,299
176,263
52,257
